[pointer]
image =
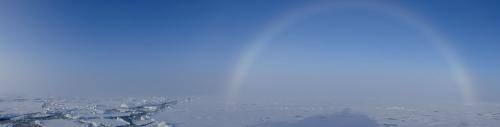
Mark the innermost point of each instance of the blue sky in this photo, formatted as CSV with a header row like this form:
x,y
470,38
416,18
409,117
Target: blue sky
x,y
190,47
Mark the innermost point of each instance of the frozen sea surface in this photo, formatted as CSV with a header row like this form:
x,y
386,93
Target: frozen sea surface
x,y
205,112
54,111
213,112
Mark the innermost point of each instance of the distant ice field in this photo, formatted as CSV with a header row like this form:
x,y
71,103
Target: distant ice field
x,y
212,112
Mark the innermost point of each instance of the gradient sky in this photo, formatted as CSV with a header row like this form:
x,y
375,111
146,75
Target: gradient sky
x,y
191,47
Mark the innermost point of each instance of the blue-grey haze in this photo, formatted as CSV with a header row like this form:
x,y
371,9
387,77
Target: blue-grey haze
x,y
191,48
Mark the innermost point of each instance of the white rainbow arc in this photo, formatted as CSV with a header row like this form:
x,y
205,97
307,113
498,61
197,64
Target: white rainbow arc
x,y
249,56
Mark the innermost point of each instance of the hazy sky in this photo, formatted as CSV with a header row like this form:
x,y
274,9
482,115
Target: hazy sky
x,y
191,47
